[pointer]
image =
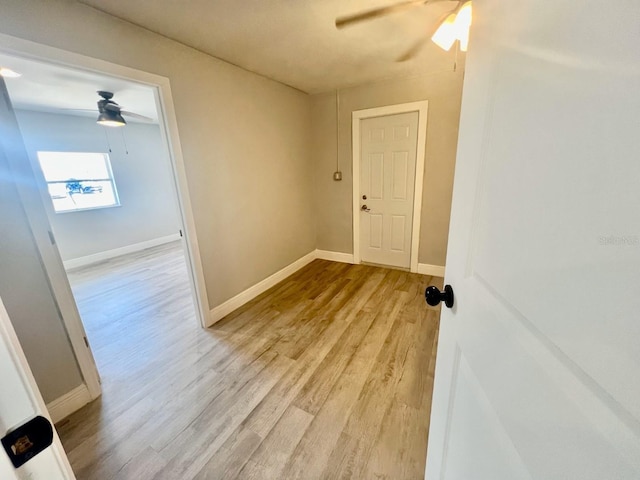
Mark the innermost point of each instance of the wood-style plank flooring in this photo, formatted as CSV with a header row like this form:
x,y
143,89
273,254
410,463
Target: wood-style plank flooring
x,y
328,375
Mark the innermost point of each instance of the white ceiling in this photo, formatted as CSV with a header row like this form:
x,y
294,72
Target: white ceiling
x,y
52,88
295,41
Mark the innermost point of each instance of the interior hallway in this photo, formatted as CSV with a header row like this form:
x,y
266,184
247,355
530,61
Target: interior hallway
x,y
327,375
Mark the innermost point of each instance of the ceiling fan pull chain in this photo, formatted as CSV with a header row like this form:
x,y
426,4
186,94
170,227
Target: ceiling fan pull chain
x,y
106,137
124,140
455,59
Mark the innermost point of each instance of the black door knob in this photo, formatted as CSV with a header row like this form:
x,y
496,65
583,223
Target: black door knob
x,y
434,296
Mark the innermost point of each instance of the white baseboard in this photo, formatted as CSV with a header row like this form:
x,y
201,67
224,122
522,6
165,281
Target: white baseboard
x,y
250,293
116,252
433,270
70,402
334,256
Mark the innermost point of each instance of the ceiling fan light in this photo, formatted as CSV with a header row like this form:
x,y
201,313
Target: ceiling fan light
x,y
462,25
111,119
464,17
464,41
446,34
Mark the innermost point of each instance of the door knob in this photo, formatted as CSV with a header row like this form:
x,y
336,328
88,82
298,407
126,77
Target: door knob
x,y
364,208
434,296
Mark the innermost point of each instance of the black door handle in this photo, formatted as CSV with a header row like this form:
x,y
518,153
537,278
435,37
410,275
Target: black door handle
x,y
28,440
434,296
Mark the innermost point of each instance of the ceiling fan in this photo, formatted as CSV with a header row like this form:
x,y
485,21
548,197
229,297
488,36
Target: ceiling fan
x,y
454,25
110,114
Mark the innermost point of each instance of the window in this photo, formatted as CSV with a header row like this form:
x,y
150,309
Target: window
x,y
78,181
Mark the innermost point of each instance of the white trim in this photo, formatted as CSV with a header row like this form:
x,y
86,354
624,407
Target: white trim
x,y
250,293
40,226
169,131
70,402
116,252
334,256
358,115
433,270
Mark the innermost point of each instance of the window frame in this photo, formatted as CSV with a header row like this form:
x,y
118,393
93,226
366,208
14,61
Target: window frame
x,y
110,179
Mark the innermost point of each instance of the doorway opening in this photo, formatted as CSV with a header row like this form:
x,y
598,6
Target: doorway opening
x,y
388,168
113,226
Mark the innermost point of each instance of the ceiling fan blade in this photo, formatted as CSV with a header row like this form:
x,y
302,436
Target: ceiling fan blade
x,y
137,116
419,44
79,109
413,50
347,20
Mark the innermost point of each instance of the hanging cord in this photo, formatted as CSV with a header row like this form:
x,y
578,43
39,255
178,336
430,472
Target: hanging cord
x,y
106,137
124,141
455,60
337,130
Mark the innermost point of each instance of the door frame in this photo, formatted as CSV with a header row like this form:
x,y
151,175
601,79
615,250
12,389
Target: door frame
x,y
42,230
356,117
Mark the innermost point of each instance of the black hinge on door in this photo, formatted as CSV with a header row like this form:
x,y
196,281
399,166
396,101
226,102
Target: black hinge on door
x,y
28,440
52,239
181,233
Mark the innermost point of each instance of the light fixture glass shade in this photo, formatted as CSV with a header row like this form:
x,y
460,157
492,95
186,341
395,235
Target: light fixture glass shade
x,y
464,41
462,25
446,34
463,17
8,73
111,119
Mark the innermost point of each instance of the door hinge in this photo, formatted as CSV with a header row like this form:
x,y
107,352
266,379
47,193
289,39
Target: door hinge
x,y
52,239
180,232
86,342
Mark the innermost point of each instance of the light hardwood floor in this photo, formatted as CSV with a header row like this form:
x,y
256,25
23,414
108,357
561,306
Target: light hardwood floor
x,y
327,375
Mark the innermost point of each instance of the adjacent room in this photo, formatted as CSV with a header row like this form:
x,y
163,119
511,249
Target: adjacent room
x,y
109,195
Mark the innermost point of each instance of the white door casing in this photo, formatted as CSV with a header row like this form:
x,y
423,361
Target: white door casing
x,y
20,401
388,166
537,368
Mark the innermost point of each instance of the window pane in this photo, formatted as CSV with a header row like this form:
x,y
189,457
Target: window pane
x,y
78,181
81,195
57,166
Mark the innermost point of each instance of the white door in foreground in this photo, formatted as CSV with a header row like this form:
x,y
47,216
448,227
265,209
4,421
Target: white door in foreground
x,y
538,368
388,147
20,400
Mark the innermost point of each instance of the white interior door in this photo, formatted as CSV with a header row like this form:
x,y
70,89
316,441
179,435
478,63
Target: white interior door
x,y
537,370
20,400
388,147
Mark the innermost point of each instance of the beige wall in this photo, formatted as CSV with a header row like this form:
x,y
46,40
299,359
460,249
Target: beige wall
x,y
333,200
245,140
